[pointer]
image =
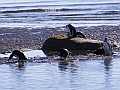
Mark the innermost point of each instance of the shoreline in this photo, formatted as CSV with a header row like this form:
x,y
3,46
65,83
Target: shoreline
x,y
33,38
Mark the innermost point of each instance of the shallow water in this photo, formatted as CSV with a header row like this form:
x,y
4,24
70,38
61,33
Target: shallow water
x,y
28,23
80,75
55,13
87,72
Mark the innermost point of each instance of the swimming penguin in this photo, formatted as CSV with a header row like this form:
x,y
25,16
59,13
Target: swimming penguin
x,y
72,30
19,54
107,48
63,53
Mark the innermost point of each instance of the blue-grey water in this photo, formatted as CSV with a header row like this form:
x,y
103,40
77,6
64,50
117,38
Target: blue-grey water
x,y
53,13
80,75
91,73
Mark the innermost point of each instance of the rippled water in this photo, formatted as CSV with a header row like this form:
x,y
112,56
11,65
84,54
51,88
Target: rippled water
x,y
93,73
53,13
80,75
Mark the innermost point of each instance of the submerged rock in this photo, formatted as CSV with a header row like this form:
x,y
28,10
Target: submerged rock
x,y
54,43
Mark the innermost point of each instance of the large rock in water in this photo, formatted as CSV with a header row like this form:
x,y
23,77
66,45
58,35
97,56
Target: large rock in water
x,y
76,44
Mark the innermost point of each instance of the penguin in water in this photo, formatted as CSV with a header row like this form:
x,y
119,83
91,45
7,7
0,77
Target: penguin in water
x,y
107,48
63,53
19,54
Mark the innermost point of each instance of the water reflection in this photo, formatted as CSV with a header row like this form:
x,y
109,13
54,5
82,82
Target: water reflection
x,y
18,66
108,62
17,75
108,66
22,65
65,65
69,71
108,71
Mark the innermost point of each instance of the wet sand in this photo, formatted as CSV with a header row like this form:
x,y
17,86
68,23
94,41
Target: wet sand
x,y
33,38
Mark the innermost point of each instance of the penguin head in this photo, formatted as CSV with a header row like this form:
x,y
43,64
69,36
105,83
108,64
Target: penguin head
x,y
69,26
105,39
63,53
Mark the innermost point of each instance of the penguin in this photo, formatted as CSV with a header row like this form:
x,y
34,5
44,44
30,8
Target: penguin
x,y
81,35
107,48
19,54
63,53
72,29
73,32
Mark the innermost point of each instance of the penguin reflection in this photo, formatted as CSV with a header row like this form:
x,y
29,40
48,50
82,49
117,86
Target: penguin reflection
x,y
18,66
21,65
108,62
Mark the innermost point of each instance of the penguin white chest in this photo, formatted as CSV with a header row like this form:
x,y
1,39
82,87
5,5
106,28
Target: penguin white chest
x,y
107,48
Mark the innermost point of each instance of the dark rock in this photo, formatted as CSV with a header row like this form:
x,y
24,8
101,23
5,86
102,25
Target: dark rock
x,y
99,51
54,43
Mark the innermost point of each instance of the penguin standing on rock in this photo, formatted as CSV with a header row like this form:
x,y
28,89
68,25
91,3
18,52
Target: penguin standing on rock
x,y
73,33
107,48
63,53
19,54
72,30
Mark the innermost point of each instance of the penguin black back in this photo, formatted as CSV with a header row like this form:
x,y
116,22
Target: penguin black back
x,y
107,47
19,54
